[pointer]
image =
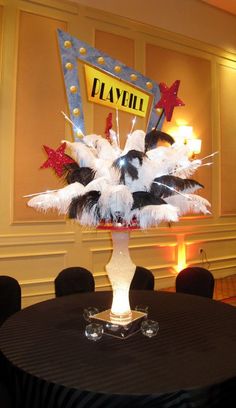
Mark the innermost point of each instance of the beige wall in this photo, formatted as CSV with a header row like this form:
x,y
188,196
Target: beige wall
x,y
190,18
40,97
34,247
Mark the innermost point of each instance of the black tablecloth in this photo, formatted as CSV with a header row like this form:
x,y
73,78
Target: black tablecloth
x,y
190,363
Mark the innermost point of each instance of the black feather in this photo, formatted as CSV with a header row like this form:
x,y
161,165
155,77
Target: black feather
x,y
75,173
125,166
143,198
83,203
152,138
135,154
173,182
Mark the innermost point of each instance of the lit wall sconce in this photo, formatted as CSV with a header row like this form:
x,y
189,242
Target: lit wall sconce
x,y
185,132
186,137
194,146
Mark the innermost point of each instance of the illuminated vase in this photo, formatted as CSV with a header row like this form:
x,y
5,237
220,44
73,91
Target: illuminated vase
x,y
120,271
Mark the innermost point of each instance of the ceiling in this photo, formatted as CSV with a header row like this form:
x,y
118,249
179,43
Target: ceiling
x,y
227,5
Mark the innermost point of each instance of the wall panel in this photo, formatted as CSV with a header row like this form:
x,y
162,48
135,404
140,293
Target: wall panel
x,y
1,33
40,97
1,27
194,73
227,80
26,266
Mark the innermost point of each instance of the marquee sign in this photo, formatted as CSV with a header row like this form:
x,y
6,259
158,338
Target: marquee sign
x,y
109,91
109,82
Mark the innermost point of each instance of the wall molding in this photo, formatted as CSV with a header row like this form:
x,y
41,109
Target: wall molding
x,y
205,240
55,6
135,246
32,255
36,239
160,232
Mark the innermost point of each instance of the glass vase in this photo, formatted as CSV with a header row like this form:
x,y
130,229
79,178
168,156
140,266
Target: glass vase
x,y
120,270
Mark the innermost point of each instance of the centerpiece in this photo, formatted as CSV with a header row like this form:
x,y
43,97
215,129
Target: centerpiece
x,y
139,186
120,190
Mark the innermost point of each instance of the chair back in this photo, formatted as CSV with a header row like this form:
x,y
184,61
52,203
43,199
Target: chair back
x,y
74,279
10,297
195,281
143,279
5,397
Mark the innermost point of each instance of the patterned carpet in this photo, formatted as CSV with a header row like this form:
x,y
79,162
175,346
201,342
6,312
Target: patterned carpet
x,y
225,290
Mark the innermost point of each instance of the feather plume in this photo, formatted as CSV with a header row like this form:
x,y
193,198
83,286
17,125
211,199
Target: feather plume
x,y
58,200
165,186
142,198
135,141
186,169
82,154
153,215
114,141
127,164
145,182
173,160
189,203
101,147
99,184
115,203
82,175
85,206
153,137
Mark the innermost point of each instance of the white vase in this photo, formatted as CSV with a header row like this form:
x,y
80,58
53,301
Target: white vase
x,y
120,271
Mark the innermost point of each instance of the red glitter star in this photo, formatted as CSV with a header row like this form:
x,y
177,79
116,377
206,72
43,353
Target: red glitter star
x,y
57,159
169,99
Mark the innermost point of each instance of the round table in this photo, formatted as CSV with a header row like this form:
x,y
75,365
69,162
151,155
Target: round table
x,y
190,363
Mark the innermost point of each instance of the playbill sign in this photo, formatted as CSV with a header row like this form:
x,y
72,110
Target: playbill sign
x,y
109,82
109,91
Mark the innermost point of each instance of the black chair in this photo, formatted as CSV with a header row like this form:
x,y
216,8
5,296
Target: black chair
x,y
195,281
10,297
74,279
5,397
143,279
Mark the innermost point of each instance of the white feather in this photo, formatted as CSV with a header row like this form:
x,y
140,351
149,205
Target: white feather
x,y
173,160
135,141
89,218
99,184
82,154
115,201
86,155
187,169
153,215
102,167
189,203
161,160
146,174
103,148
59,200
114,141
